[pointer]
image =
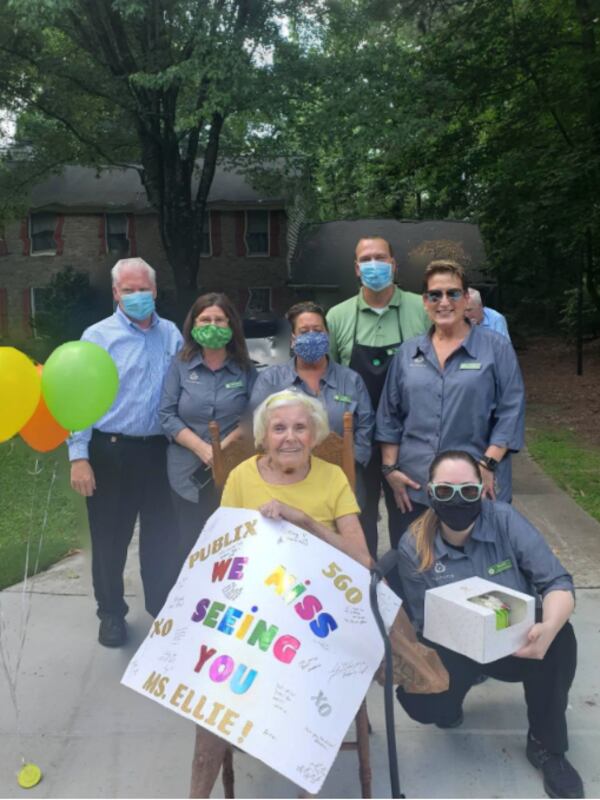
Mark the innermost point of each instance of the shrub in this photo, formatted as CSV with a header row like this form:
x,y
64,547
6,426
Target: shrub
x,y
590,316
70,305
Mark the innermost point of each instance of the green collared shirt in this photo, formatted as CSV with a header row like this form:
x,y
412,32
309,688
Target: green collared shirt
x,y
404,318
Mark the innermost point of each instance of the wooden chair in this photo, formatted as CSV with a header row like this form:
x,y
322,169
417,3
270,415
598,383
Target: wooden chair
x,y
337,450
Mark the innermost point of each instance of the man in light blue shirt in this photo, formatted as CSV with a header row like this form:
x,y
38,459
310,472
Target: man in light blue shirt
x,y
485,316
119,465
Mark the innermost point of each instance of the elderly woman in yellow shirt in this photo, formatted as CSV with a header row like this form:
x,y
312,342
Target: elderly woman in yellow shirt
x,y
287,482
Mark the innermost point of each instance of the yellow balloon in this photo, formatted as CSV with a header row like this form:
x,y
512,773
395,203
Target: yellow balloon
x,y
20,387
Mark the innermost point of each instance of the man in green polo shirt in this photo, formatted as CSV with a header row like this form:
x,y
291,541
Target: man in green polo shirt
x,y
364,333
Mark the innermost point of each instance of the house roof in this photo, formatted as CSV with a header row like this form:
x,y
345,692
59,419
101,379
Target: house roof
x,y
87,190
324,255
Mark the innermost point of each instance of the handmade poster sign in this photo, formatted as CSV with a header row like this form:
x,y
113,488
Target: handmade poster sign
x,y
267,640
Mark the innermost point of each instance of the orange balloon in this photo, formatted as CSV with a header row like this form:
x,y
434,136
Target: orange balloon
x,y
42,432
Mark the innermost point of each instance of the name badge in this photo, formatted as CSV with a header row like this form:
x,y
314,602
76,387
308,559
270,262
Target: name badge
x,y
470,365
343,398
234,384
502,566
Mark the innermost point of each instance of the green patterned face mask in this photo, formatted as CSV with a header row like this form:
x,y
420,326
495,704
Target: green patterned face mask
x,y
211,336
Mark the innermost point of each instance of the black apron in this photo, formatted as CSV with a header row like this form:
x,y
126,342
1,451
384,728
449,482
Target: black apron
x,y
372,363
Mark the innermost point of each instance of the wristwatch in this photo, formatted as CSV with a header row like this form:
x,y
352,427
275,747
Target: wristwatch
x,y
387,468
489,463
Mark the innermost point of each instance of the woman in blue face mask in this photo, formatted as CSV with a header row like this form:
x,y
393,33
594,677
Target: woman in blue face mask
x,y
310,369
463,535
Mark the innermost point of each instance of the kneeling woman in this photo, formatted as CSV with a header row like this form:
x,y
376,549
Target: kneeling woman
x,y
280,482
461,536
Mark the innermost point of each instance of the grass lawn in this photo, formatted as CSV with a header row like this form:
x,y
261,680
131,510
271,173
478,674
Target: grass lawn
x,y
574,465
37,508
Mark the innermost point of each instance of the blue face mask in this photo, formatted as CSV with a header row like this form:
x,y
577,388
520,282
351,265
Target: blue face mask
x,y
138,305
376,275
312,346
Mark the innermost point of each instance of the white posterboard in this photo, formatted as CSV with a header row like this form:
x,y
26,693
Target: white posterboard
x,y
267,640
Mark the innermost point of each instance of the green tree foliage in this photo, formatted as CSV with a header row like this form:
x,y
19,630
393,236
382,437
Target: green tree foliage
x,y
129,82
481,110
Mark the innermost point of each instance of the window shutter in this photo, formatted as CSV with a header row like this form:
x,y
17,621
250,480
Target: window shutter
x,y
131,235
102,248
58,237
3,312
26,305
215,232
24,236
274,233
240,230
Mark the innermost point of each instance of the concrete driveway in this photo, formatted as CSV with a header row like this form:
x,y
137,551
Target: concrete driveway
x,y
94,738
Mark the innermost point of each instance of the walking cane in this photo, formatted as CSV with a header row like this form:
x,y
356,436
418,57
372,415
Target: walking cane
x,y
381,568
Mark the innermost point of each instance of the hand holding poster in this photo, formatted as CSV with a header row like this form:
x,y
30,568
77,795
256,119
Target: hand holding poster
x,y
267,640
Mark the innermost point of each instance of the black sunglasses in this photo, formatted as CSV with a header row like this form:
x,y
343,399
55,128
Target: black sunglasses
x,y
435,295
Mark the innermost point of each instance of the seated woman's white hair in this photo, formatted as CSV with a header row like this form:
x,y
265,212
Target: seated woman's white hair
x,y
290,397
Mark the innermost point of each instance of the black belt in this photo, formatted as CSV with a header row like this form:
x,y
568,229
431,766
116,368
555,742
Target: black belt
x,y
127,438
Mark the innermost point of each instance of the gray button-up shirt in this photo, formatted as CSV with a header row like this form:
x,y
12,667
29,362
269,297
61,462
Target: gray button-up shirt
x,y
503,547
193,395
478,399
341,389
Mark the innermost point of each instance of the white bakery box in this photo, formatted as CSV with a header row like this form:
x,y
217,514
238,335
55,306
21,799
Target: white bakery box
x,y
453,620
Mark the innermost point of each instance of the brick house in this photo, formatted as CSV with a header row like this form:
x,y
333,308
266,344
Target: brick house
x,y
88,220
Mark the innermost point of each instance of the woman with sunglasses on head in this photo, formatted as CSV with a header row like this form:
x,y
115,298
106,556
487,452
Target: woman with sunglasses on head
x,y
457,386
464,535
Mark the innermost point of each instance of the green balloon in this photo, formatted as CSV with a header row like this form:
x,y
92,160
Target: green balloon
x,y
79,384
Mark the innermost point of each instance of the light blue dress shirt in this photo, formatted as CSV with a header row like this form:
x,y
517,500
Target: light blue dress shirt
x,y
478,399
341,389
504,547
494,321
142,357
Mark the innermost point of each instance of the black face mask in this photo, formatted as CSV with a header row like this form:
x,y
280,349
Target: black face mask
x,y
455,513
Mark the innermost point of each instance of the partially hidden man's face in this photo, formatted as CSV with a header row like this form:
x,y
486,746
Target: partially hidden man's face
x,y
372,250
474,311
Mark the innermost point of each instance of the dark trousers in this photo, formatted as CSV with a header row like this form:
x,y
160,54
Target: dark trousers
x,y
191,518
371,481
131,479
546,684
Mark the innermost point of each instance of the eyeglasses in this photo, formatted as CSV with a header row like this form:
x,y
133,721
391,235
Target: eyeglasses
x,y
469,492
435,295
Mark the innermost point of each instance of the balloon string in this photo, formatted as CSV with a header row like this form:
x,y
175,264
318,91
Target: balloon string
x,y
12,675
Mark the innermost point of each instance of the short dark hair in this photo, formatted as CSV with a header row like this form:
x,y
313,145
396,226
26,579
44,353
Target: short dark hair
x,y
305,307
237,347
376,236
444,266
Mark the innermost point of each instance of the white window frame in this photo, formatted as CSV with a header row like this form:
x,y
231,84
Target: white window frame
x,y
32,308
108,214
33,252
270,298
258,255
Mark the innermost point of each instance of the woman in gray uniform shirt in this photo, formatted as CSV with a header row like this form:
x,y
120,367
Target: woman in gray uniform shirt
x,y
462,536
210,379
